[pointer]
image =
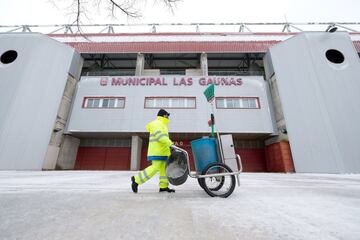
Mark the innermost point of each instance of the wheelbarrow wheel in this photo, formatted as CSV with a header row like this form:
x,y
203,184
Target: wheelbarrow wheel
x,y
219,186
220,180
201,182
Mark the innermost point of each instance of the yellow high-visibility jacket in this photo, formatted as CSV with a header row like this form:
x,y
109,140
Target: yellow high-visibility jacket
x,y
159,141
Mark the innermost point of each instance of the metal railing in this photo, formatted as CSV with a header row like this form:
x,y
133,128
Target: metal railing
x,y
182,27
132,73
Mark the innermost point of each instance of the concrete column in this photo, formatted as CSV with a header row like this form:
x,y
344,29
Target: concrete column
x,y
68,153
136,144
57,135
279,115
202,71
140,63
279,158
204,64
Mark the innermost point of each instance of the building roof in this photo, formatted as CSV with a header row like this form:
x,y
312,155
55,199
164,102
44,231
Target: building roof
x,y
178,42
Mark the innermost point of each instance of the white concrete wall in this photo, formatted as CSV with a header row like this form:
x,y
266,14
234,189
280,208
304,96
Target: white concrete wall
x,y
320,101
134,117
31,89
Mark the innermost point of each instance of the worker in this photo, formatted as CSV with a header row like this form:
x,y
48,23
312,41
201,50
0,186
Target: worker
x,y
158,153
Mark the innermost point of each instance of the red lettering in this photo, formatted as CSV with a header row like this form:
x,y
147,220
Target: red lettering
x,y
239,82
151,81
132,81
189,81
116,81
158,81
182,82
177,81
224,81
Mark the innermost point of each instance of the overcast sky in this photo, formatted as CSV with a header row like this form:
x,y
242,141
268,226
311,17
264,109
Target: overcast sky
x,y
14,12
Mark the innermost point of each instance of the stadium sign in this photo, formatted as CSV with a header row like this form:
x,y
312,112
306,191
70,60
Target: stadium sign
x,y
168,80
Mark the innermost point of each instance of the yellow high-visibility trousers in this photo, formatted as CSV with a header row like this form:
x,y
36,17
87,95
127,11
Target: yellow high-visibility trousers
x,y
150,171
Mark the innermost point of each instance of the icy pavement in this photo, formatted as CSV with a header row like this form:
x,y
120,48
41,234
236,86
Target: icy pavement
x,y
100,205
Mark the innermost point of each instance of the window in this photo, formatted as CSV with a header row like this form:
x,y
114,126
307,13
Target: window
x,y
104,102
237,102
170,102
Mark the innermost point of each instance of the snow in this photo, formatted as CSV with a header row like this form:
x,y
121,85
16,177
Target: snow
x,y
101,205
174,171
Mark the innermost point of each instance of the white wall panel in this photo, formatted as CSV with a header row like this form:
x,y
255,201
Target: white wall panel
x,y
320,100
134,117
30,93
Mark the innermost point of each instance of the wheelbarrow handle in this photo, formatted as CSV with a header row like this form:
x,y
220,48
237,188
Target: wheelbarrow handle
x,y
239,162
187,158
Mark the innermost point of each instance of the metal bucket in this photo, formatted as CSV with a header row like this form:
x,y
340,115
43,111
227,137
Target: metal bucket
x,y
176,168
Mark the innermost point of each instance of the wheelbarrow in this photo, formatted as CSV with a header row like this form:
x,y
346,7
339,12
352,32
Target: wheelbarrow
x,y
216,165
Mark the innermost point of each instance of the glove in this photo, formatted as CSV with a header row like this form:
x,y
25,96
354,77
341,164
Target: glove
x,y
172,147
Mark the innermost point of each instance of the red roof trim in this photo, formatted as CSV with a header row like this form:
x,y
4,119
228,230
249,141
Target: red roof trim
x,y
357,46
178,47
172,47
183,34
173,34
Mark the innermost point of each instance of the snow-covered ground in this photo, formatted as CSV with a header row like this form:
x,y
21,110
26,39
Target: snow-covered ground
x,y
101,205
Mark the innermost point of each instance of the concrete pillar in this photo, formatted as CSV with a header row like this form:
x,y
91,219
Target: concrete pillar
x,y
140,67
140,64
278,112
202,71
136,144
204,64
278,157
68,153
57,135
51,157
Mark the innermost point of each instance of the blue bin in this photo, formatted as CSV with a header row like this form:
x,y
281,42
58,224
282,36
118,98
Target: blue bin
x,y
205,152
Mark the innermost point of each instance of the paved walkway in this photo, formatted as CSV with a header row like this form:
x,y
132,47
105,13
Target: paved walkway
x,y
100,205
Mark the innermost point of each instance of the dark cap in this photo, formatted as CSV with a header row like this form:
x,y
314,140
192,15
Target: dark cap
x,y
162,112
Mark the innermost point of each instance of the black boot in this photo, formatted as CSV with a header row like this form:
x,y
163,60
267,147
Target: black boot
x,y
166,190
134,185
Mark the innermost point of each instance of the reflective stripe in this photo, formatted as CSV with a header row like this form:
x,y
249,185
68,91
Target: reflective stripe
x,y
146,176
163,180
150,158
141,178
156,133
158,138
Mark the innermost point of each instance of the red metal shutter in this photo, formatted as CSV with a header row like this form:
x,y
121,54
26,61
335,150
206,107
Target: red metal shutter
x,y
253,159
144,162
117,158
103,158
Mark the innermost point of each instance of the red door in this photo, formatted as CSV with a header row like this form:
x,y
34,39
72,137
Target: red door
x,y
144,162
103,158
253,159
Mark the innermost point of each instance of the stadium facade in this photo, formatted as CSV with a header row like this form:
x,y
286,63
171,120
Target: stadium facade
x,y
290,100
